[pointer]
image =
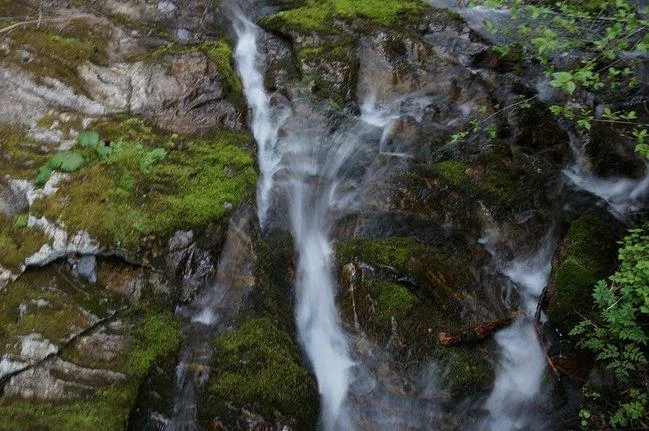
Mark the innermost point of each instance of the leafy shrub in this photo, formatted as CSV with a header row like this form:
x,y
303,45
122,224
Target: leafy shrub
x,y
620,336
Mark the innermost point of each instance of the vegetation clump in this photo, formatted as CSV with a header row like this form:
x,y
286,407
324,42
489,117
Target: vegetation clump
x,y
138,183
588,255
619,339
313,15
258,366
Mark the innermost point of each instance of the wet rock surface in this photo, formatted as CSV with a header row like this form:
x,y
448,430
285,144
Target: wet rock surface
x,y
156,218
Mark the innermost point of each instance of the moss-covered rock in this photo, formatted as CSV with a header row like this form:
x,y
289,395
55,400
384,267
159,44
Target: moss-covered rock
x,y
258,367
273,295
588,254
468,370
218,51
58,51
144,183
18,242
398,284
61,310
316,16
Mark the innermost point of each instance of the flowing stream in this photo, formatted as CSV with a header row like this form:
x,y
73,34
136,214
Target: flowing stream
x,y
316,170
312,166
515,401
311,186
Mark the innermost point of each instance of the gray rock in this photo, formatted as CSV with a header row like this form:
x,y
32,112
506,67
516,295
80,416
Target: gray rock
x,y
39,384
86,267
101,345
13,199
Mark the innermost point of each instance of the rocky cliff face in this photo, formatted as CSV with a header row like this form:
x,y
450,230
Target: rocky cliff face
x,y
125,151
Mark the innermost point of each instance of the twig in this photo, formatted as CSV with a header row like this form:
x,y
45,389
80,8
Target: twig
x,y
34,21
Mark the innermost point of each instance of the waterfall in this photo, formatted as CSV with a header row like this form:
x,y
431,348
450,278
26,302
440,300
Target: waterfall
x,y
310,188
264,127
515,398
622,195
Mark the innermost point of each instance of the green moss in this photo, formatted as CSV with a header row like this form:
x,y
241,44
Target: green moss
x,y
17,242
317,15
396,252
393,299
273,296
108,410
155,337
452,172
588,256
150,184
58,52
259,366
19,155
469,370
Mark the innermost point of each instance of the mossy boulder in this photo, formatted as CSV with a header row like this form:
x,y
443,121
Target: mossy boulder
x,y
587,254
399,284
317,16
468,370
258,367
50,304
273,295
143,184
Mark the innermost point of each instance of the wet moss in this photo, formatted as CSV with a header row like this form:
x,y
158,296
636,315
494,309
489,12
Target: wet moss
x,y
317,15
128,195
469,371
392,299
396,252
588,256
452,172
258,366
273,295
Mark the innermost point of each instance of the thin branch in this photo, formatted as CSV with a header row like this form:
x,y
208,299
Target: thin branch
x,y
34,21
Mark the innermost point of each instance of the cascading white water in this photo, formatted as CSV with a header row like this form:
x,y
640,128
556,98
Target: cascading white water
x,y
266,122
311,186
518,383
622,195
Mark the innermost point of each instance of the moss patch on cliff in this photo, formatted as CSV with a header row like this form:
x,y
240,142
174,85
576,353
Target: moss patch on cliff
x,y
155,336
143,183
588,256
58,51
19,154
219,52
17,241
259,366
315,15
52,306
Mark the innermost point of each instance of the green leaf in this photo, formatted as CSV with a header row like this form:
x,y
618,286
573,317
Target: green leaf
x,y
570,87
44,173
66,162
103,150
88,139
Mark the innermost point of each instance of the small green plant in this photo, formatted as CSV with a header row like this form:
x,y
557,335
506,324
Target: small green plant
x,y
614,35
619,338
63,162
